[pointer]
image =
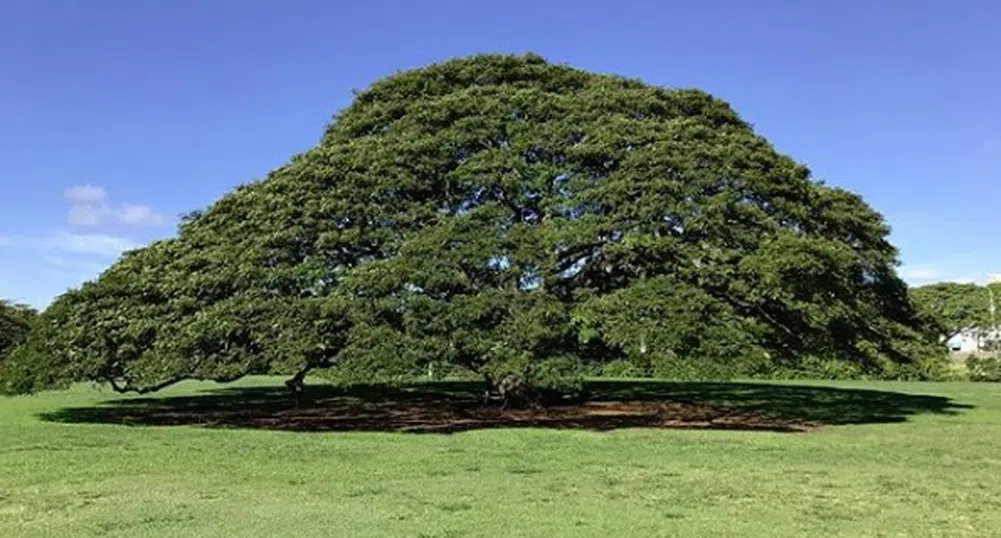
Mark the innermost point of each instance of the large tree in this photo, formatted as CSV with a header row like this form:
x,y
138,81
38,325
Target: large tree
x,y
507,216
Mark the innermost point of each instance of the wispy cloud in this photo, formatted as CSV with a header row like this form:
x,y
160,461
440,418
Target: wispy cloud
x,y
73,243
39,264
84,215
139,215
89,207
86,194
922,274
98,244
73,266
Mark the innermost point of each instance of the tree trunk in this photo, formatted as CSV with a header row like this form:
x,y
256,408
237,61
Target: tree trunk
x,y
296,386
515,391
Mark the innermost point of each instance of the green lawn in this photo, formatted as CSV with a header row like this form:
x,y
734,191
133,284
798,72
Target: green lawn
x,y
887,464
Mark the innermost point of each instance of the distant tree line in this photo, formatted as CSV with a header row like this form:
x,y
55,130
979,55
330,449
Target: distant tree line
x,y
951,309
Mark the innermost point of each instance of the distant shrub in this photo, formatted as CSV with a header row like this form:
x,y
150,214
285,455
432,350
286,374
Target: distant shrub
x,y
954,371
621,368
926,369
814,368
669,366
984,369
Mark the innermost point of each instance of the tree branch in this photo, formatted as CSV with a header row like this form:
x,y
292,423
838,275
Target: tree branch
x,y
145,390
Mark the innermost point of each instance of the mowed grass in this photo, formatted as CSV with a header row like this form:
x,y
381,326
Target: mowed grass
x,y
928,467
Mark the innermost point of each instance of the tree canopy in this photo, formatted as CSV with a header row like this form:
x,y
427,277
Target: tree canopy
x,y
506,216
952,307
15,324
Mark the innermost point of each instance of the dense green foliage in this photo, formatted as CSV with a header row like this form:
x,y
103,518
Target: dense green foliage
x,y
984,369
951,308
15,324
510,217
916,473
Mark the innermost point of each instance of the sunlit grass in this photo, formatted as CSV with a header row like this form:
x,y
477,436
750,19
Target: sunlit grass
x,y
933,473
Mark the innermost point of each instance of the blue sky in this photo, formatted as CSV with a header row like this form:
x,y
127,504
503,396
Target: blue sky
x,y
118,115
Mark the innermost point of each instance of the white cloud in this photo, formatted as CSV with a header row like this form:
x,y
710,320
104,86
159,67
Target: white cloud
x,y
921,275
84,215
138,215
86,194
89,208
72,243
98,244
73,266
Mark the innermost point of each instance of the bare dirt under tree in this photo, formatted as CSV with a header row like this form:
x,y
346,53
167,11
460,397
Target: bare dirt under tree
x,y
453,407
443,416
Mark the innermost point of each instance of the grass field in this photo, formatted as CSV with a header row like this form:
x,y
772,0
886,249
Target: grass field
x,y
890,459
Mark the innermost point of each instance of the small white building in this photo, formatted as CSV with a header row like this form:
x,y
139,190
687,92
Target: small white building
x,y
973,340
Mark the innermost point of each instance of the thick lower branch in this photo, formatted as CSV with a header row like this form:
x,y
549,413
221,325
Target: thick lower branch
x,y
296,384
123,389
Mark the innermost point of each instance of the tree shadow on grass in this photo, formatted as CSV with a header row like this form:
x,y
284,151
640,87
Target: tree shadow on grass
x,y
446,407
